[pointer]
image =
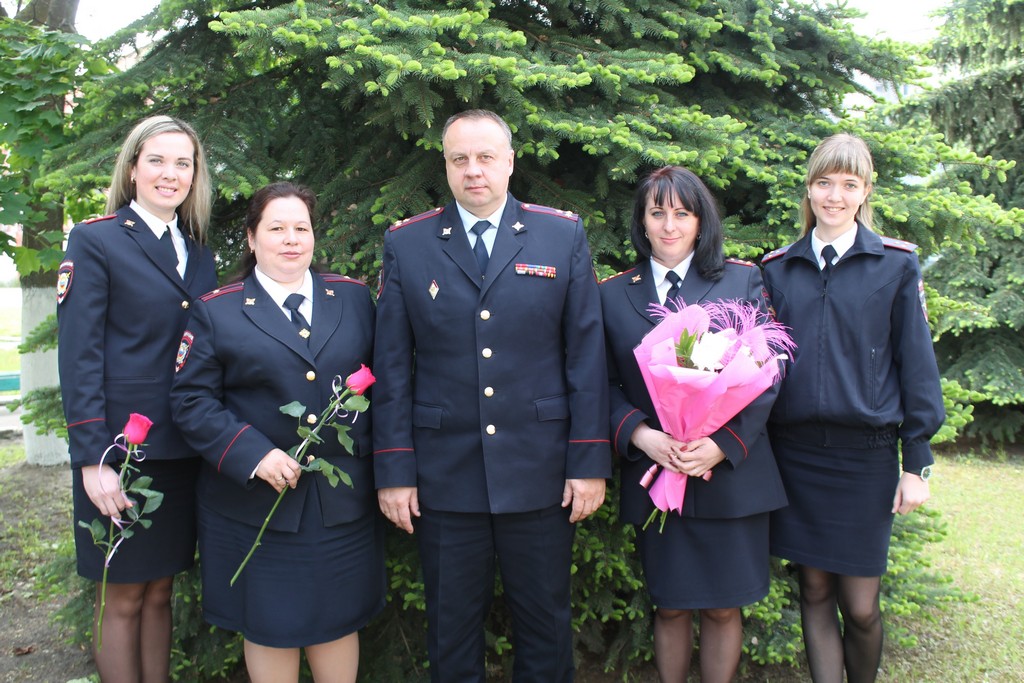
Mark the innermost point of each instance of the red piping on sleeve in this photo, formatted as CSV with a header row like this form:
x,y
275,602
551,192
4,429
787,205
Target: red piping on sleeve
x,y
738,439
619,428
93,419
225,453
392,450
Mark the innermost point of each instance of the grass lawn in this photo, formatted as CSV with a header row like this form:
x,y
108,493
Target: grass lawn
x,y
982,502
10,360
975,641
10,312
10,329
30,526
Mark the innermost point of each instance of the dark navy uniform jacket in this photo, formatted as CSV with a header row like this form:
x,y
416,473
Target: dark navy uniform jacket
x,y
121,311
747,481
241,360
490,392
864,371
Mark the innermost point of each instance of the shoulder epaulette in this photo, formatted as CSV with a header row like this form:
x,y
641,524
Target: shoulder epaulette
x,y
621,272
898,244
99,218
221,291
334,277
775,254
415,219
739,262
548,211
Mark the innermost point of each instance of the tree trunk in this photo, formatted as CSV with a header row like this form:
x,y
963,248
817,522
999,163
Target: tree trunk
x,y
62,15
39,370
35,12
56,15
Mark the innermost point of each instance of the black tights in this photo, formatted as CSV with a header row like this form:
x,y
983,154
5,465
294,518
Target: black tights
x,y
721,641
136,632
858,644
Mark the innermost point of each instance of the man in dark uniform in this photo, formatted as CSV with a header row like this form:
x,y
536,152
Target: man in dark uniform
x,y
494,440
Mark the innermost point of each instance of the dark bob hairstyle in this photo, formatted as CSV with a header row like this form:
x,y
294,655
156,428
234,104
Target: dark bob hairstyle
x,y
677,182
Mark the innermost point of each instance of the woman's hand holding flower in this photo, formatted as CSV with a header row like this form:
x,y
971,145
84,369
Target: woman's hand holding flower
x,y
279,469
659,446
698,457
103,486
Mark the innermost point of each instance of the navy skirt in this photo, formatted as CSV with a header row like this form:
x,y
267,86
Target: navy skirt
x,y
705,563
839,517
299,589
167,547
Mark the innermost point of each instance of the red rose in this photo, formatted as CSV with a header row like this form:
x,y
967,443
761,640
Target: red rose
x,y
360,380
137,429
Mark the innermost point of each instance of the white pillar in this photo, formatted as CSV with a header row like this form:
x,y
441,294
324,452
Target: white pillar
x,y
39,370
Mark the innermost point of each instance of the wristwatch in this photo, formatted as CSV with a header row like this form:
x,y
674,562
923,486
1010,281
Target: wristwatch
x,y
925,472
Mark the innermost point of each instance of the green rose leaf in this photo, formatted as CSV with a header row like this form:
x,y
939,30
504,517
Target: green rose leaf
x,y
295,409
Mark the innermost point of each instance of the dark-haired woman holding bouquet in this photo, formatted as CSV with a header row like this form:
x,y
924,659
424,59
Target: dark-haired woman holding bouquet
x,y
713,558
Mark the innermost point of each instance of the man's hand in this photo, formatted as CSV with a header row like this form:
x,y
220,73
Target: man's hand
x,y
400,504
585,495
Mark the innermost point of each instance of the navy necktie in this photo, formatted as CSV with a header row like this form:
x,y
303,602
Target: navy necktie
x,y
677,283
292,303
480,249
828,252
167,247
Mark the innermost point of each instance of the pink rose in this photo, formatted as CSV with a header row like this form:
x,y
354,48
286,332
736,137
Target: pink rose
x,y
360,380
137,429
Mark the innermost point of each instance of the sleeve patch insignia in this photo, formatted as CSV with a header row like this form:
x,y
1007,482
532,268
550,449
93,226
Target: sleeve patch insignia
x,y
64,275
183,349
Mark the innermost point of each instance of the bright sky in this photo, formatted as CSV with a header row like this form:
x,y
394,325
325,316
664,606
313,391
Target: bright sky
x,y
904,20
99,18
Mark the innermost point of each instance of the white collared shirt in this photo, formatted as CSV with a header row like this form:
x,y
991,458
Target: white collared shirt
x,y
158,227
660,272
841,244
279,293
469,220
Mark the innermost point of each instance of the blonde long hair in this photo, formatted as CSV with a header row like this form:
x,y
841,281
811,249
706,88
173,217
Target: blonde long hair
x,y
839,153
194,212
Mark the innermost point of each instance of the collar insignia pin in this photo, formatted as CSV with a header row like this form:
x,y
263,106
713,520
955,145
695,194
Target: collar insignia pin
x,y
250,302
130,223
446,232
517,226
636,279
329,292
304,334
